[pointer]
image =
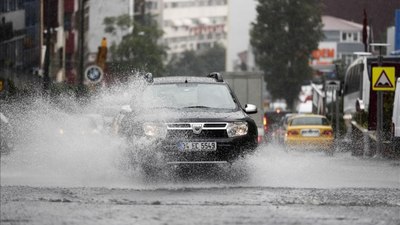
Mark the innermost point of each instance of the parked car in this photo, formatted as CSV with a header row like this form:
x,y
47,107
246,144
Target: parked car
x,y
188,120
309,131
282,128
271,123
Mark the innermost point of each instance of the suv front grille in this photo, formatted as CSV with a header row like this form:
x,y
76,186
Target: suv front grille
x,y
205,134
208,130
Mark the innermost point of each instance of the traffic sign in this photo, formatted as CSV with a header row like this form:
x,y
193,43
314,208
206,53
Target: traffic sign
x,y
93,74
332,85
383,78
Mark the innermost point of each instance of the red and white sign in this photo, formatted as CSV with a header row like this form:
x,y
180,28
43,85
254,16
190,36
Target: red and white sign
x,y
325,54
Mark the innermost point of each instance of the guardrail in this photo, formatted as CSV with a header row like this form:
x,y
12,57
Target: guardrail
x,y
363,143
318,100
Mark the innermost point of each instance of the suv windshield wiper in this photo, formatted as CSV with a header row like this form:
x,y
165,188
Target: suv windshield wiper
x,y
197,107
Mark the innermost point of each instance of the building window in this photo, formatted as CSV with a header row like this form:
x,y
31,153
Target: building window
x,y
355,37
344,36
350,37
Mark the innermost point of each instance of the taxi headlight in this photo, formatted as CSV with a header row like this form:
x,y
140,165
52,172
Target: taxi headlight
x,y
236,129
155,130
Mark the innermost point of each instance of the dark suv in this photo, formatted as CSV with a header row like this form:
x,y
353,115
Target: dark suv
x,y
189,120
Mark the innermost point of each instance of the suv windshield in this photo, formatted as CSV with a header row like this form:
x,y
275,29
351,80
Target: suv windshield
x,y
188,95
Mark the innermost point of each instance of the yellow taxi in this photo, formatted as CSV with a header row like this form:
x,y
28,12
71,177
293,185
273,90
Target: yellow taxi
x,y
309,131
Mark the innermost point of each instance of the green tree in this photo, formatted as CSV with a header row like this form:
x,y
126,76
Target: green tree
x,y
283,36
192,63
139,49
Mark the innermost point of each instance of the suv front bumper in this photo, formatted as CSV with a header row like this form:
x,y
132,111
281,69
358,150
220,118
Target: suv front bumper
x,y
228,150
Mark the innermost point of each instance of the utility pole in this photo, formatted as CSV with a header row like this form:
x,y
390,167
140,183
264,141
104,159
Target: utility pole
x,y
46,75
337,113
81,47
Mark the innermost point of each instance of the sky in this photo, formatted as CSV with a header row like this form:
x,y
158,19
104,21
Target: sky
x,y
241,14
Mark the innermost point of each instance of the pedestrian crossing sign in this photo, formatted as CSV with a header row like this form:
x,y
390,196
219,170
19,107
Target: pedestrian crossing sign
x,y
383,78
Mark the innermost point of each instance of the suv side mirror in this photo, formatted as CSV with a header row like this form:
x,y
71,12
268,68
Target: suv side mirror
x,y
250,109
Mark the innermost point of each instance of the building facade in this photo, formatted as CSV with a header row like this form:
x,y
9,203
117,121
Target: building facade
x,y
23,41
12,34
193,24
20,42
341,39
187,24
380,13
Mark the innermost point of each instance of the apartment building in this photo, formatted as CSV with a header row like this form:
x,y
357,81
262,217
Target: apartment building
x,y
187,24
193,24
342,39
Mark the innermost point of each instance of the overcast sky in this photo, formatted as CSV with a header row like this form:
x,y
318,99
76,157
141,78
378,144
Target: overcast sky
x,y
241,14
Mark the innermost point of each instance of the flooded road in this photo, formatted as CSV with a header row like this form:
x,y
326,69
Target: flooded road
x,y
270,187
66,170
201,205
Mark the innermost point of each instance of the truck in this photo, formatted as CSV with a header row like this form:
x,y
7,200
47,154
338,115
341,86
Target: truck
x,y
248,87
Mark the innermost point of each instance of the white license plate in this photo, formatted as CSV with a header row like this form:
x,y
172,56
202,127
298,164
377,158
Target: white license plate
x,y
310,133
198,146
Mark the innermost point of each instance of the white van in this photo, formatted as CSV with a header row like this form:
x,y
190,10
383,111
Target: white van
x,y
396,117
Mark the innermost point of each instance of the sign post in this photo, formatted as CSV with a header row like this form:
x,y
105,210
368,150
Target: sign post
x,y
381,81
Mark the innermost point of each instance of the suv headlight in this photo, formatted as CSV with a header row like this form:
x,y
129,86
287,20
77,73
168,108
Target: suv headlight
x,y
155,130
236,129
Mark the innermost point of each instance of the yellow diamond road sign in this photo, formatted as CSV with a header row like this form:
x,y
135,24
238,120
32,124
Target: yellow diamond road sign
x,y
383,78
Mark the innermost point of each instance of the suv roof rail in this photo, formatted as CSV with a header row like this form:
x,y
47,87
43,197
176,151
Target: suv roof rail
x,y
217,76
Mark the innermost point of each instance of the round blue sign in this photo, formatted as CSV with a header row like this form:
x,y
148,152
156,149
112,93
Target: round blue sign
x,y
94,74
